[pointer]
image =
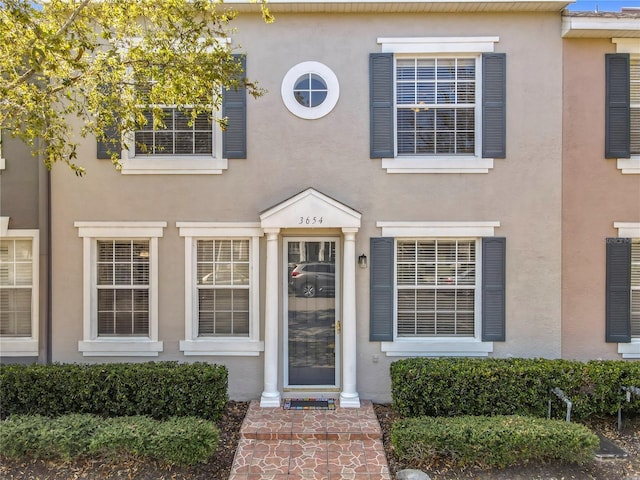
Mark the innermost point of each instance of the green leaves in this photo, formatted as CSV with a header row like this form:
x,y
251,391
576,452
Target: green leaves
x,y
71,68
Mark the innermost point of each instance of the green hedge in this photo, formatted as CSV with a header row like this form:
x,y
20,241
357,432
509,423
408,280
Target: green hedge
x,y
516,386
176,441
498,441
156,389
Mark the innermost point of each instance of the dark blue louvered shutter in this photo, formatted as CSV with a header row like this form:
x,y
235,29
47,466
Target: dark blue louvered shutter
x,y
617,137
618,288
234,109
494,105
381,295
106,148
381,105
493,289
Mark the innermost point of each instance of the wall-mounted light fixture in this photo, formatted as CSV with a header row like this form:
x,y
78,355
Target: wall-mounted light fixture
x,y
362,261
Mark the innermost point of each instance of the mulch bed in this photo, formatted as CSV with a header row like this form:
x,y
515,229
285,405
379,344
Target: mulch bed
x,y
219,465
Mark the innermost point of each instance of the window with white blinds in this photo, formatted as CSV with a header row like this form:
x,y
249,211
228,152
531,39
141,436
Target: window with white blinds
x,y
436,288
180,135
435,106
634,78
16,287
635,288
123,287
223,281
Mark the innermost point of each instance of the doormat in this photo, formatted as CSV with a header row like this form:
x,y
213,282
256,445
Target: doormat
x,y
309,404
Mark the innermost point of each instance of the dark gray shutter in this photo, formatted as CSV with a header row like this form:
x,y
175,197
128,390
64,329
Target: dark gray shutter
x,y
234,108
494,105
381,296
105,148
618,287
617,139
493,289
381,105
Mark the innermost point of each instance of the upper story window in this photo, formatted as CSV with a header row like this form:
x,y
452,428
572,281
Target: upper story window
x,y
310,90
438,105
181,134
435,106
622,130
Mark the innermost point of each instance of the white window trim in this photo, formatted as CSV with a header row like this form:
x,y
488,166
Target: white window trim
x,y
24,346
628,230
436,46
2,160
439,346
288,84
628,166
91,345
225,346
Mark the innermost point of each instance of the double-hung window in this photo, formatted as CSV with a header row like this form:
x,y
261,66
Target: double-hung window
x,y
120,262
18,292
435,112
186,143
622,135
437,288
221,295
623,289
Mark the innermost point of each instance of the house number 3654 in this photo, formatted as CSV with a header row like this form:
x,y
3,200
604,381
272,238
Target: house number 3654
x,y
309,220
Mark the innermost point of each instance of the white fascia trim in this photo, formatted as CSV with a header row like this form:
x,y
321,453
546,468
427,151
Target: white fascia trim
x,y
115,347
431,347
454,164
173,166
629,166
19,347
627,229
223,347
418,45
630,350
438,229
120,229
628,45
219,229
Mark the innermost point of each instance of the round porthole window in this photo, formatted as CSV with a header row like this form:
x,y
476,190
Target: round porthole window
x,y
310,90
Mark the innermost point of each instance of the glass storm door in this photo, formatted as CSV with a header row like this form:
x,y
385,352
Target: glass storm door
x,y
311,323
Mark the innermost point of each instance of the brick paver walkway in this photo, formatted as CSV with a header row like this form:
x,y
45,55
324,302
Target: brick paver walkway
x,y
278,444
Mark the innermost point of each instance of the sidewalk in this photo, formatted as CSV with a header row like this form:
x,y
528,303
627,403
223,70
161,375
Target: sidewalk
x,y
278,444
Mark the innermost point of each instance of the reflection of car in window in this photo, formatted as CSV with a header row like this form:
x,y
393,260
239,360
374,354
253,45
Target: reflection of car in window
x,y
313,279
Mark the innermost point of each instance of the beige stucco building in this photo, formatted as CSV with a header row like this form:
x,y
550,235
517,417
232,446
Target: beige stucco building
x,y
398,191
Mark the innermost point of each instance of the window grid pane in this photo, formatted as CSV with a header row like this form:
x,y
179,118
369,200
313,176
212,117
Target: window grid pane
x,y
435,100
436,288
123,287
181,134
223,287
16,284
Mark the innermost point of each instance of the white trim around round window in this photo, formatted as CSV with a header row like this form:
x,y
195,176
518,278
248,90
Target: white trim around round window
x,y
315,80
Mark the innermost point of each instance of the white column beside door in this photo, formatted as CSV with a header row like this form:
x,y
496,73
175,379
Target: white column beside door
x,y
349,396
271,394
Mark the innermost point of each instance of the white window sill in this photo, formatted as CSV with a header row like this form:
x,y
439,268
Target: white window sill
x,y
178,165
222,347
437,164
120,348
18,347
444,347
630,350
629,166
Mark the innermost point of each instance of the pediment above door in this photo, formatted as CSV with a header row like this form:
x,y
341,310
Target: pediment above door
x,y
310,209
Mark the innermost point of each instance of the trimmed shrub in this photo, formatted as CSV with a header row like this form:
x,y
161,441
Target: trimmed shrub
x,y
156,389
498,441
176,441
515,386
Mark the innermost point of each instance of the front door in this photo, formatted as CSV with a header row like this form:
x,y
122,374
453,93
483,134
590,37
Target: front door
x,y
312,323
